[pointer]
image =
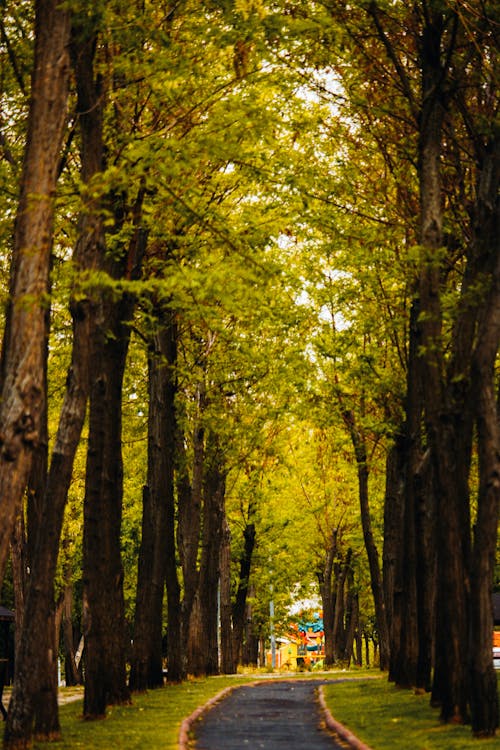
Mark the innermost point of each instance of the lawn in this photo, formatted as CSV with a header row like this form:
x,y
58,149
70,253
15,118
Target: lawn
x,y
380,715
386,718
153,720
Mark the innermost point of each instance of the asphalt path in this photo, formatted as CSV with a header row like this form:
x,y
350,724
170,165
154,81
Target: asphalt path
x,y
269,716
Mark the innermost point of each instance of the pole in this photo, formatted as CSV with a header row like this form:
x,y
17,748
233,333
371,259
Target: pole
x,y
273,638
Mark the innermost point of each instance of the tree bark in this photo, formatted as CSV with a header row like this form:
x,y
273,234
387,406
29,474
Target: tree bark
x,y
190,513
240,603
425,528
20,575
447,417
35,491
104,614
326,593
483,682
352,612
23,398
393,536
227,660
35,687
176,661
157,554
202,653
404,662
411,561
250,651
370,546
104,626
72,673
341,611
146,663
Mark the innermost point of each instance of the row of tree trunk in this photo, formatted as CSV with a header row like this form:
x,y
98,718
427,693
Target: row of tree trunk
x,y
101,333
444,568
434,609
201,540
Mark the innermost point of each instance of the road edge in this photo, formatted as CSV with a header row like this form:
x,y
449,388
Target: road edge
x,y
335,726
186,723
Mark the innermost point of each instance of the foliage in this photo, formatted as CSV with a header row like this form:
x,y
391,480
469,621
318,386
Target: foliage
x,y
274,152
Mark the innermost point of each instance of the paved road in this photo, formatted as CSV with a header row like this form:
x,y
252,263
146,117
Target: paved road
x,y
270,715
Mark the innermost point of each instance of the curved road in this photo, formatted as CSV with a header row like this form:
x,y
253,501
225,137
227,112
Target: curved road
x,y
268,716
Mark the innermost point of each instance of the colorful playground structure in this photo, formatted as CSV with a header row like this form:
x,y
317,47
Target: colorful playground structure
x,y
303,647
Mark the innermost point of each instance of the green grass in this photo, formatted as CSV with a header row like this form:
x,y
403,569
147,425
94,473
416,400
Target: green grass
x,y
386,718
375,711
153,720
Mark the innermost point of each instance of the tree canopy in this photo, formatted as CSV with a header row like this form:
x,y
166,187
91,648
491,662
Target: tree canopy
x,y
250,334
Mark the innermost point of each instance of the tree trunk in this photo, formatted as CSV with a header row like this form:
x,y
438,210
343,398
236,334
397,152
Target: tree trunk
x,y
341,570
190,505
352,614
404,645
446,411
483,682
228,663
370,546
250,651
22,400
358,639
326,593
35,687
104,622
240,603
26,332
404,662
202,644
393,535
20,575
410,558
35,491
72,674
176,661
104,615
146,663
425,527
157,554
106,637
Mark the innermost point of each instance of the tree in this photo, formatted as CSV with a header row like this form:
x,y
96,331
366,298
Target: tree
x,y
23,351
24,347
104,624
242,589
438,40
360,451
483,257
318,290
104,616
157,560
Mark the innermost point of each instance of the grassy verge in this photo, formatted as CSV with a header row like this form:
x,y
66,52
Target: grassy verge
x,y
383,717
386,718
152,721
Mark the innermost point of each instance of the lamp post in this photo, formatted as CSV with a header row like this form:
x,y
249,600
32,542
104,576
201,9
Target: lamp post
x,y
271,628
